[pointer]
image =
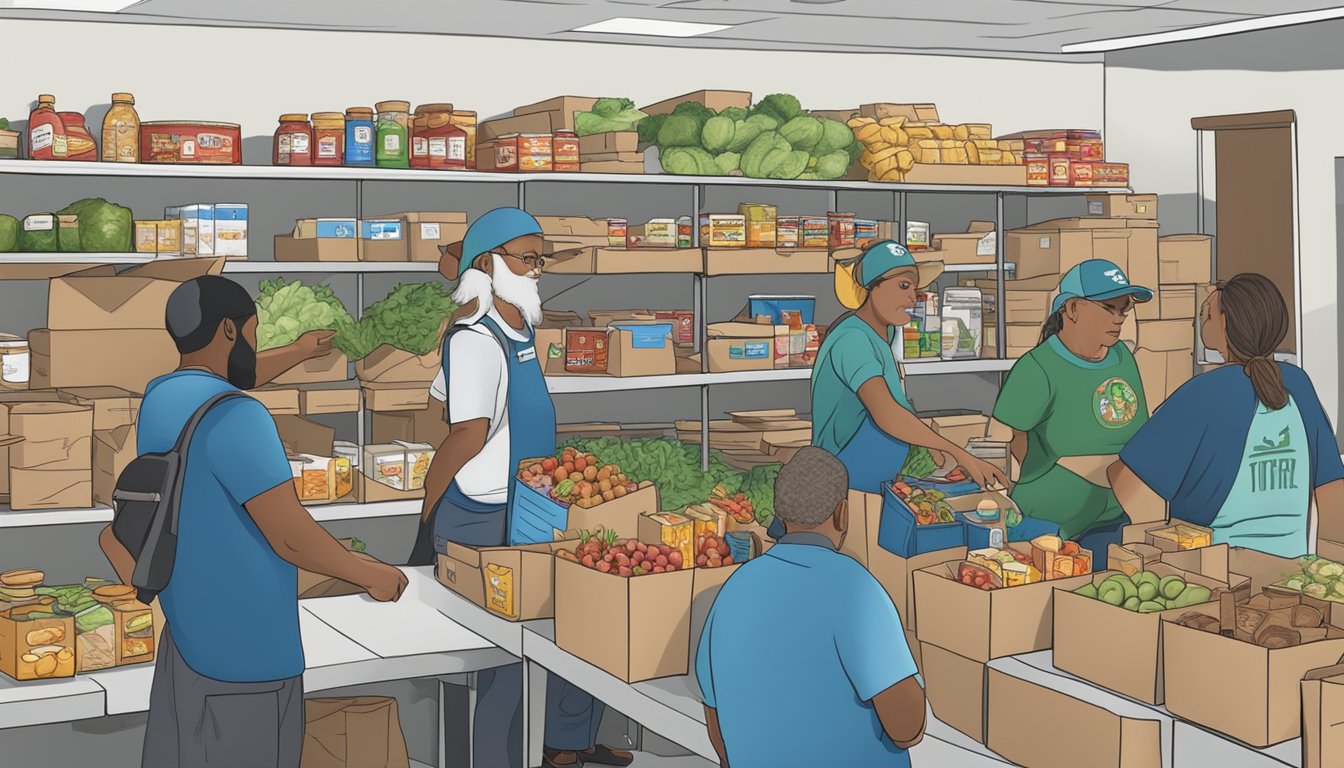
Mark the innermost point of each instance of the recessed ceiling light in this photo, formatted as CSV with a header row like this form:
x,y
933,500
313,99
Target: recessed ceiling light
x,y
653,27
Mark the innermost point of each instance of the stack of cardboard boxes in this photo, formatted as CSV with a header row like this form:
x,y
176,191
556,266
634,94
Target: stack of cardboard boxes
x,y
405,236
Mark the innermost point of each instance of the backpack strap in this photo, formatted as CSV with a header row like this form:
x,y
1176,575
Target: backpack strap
x,y
184,437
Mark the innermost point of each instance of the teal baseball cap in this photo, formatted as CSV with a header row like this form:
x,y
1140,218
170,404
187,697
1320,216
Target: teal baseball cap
x,y
883,257
493,230
1097,280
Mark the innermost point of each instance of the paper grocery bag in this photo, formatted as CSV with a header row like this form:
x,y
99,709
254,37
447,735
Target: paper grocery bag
x,y
1322,715
359,732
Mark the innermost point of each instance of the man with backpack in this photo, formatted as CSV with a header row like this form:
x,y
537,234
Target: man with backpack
x,y
228,687
500,413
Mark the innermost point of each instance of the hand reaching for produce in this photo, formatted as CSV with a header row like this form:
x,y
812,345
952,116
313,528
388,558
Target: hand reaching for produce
x,y
315,344
982,473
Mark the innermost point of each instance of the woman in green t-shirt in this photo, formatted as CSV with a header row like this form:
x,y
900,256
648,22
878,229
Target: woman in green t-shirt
x,y
1073,402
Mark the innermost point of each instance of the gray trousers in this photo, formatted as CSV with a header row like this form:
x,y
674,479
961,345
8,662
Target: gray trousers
x,y
572,717
197,722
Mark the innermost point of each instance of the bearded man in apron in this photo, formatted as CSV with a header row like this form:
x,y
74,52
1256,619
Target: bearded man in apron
x,y
500,413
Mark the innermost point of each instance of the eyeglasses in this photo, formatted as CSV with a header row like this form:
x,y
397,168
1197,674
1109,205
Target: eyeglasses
x,y
1121,311
530,260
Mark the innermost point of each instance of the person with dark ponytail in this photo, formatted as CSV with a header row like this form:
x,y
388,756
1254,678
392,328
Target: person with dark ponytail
x,y
1242,449
1072,403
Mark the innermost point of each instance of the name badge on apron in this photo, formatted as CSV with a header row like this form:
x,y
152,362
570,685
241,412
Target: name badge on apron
x,y
527,354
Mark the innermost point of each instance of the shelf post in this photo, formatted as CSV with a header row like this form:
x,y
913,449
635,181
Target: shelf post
x,y
899,204
1001,341
704,427
521,188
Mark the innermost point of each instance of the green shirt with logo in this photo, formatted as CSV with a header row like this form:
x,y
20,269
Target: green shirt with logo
x,y
1068,406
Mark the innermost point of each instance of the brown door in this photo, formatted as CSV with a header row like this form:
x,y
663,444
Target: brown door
x,y
1253,156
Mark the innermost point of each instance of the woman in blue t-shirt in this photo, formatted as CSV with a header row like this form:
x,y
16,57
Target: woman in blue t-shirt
x,y
1244,448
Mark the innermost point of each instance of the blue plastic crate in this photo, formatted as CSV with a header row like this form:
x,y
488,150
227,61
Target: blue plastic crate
x,y
978,535
899,534
534,518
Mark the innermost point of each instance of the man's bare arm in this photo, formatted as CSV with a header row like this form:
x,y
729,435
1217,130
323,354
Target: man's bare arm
x,y
464,442
901,709
716,735
122,562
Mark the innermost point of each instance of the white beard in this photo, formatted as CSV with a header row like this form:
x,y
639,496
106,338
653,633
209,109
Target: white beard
x,y
520,291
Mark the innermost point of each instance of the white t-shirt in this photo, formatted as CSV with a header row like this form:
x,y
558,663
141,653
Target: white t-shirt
x,y
479,389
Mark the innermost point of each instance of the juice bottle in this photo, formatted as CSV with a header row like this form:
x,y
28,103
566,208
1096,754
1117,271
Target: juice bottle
x,y
393,134
121,131
46,132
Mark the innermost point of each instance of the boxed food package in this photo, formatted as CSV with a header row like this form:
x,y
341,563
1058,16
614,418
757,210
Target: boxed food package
x,y
714,99
641,349
586,350
737,346
50,455
1169,536
982,624
1185,258
1121,649
1059,559
1246,684
978,245
1123,206
425,232
956,689
35,644
386,464
635,628
675,530
384,240
515,583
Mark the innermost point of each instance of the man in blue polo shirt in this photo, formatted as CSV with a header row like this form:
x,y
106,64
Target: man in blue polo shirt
x,y
803,660
228,686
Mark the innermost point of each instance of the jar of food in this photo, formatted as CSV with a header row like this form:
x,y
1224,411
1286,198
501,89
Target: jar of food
x,y
46,132
329,138
121,131
535,153
436,143
293,141
565,151
617,230
359,130
135,631
14,362
963,323
506,153
466,120
392,147
685,232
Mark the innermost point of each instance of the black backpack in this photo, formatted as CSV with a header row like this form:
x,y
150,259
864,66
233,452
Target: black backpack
x,y
146,502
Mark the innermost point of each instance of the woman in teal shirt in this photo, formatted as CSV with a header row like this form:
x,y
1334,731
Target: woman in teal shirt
x,y
860,411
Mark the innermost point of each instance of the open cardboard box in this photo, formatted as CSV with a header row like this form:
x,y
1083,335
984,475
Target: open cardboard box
x,y
515,583
328,368
389,365
1121,649
985,624
1168,535
1323,717
1246,691
102,298
633,628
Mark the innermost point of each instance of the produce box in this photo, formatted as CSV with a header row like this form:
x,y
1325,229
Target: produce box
x,y
288,248
1121,649
766,261
634,628
901,534
395,397
50,455
536,517
1048,721
515,583
705,586
982,624
1323,717
1123,206
1169,536
329,368
1185,258
389,365
956,689
1242,689
36,648
65,359
329,398
103,299
732,347
715,100
279,401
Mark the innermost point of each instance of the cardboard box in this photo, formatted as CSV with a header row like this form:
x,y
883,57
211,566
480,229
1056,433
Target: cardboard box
x,y
765,261
1185,258
622,142
597,260
1123,206
1323,718
960,430
595,161
988,175
384,240
384,398
540,123
288,248
51,464
563,107
329,368
1025,302
424,232
373,492
1176,302
741,347
610,166
8,400
128,359
1041,253
389,365
956,689
983,625
1167,335
635,351
1163,373
1121,649
715,100
112,407
1021,338
515,583
280,401
113,450
636,629
324,399
18,637
915,113
426,425
1162,537
1046,722
978,245
103,299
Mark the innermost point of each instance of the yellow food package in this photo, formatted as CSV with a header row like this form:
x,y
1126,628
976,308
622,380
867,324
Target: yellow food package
x,y
987,558
1016,574
499,590
1193,536
674,530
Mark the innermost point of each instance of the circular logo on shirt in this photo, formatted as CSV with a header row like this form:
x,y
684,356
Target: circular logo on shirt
x,y
1115,403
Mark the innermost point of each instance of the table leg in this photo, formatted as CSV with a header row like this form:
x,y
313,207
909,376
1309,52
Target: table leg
x,y
527,714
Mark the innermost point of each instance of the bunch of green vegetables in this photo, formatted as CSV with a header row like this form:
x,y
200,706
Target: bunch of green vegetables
x,y
759,486
919,463
77,600
409,318
1319,578
287,310
775,139
608,116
